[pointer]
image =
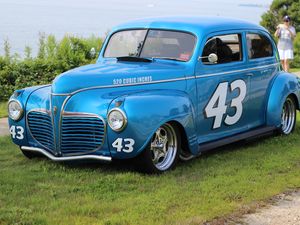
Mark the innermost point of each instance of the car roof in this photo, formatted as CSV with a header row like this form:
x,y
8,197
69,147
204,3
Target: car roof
x,y
197,25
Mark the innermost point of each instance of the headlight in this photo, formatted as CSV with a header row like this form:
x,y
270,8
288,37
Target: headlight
x,y
117,119
15,110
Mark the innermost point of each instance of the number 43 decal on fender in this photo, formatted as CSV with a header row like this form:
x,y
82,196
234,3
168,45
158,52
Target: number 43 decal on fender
x,y
217,107
17,132
123,145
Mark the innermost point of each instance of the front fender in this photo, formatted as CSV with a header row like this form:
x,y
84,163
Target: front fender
x,y
146,112
23,97
284,85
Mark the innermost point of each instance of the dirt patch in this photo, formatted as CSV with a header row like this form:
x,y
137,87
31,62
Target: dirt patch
x,y
297,73
4,127
282,209
285,212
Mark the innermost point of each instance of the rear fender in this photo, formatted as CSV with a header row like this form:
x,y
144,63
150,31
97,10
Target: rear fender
x,y
285,84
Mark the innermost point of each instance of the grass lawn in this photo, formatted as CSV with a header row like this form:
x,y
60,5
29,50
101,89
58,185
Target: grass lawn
x,y
295,70
3,109
39,191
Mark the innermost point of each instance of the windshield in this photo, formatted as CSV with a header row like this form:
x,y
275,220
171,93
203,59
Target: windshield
x,y
162,44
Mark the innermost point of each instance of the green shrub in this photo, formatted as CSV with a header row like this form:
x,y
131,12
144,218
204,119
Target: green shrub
x,y
296,61
53,57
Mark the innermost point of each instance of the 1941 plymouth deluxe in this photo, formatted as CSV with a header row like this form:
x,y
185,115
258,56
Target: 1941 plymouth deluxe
x,y
162,89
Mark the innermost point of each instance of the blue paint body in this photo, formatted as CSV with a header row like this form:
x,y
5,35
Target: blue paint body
x,y
170,90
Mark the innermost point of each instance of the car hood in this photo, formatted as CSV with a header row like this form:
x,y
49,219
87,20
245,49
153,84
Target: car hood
x,y
118,74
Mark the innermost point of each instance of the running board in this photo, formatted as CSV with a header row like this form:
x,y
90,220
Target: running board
x,y
225,141
66,158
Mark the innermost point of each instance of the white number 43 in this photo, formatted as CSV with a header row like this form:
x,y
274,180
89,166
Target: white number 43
x,y
125,145
217,107
17,132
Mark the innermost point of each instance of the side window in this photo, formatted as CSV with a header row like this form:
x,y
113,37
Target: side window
x,y
259,46
227,48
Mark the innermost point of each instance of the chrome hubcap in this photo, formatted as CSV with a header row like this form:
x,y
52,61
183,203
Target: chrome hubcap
x,y
164,147
288,116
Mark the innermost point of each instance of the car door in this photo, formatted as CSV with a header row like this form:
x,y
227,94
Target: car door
x,y
262,61
222,87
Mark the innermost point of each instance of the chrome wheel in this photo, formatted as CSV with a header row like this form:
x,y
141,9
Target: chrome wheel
x,y
288,116
164,147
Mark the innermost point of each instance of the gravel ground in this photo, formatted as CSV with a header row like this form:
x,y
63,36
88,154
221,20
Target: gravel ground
x,y
285,212
3,127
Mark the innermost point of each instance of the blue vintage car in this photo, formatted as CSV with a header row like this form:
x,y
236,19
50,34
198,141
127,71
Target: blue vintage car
x,y
162,89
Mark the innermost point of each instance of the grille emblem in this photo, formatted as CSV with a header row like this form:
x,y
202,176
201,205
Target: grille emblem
x,y
54,110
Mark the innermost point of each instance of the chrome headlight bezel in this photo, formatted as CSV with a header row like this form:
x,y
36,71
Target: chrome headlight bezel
x,y
21,110
120,113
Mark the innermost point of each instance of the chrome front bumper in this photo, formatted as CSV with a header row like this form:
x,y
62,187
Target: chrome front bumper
x,y
67,158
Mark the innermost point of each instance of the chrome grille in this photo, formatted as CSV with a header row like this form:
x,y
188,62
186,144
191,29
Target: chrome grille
x,y
81,133
40,126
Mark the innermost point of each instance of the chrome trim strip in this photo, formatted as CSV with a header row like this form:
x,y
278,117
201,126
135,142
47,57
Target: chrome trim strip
x,y
68,158
60,122
53,125
165,81
41,110
124,85
236,71
81,115
54,94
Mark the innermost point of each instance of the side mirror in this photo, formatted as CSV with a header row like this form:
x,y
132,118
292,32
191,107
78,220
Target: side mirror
x,y
212,58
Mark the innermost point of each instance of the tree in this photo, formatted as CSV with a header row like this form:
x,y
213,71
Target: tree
x,y
27,52
278,9
7,48
273,17
296,61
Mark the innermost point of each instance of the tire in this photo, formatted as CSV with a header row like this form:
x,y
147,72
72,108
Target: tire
x,y
29,154
162,153
185,156
288,116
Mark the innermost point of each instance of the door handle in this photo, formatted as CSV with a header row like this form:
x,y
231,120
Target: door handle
x,y
250,74
265,71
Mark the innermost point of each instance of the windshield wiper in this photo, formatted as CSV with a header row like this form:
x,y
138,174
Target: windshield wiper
x,y
133,59
169,58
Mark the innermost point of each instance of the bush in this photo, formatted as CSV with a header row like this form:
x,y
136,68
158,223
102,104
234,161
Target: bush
x,y
52,59
296,61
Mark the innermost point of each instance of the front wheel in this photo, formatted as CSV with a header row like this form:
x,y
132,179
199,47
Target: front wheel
x,y
162,152
288,116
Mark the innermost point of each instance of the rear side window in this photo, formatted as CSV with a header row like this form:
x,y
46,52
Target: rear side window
x,y
226,47
259,46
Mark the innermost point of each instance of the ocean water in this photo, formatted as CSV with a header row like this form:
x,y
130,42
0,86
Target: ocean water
x,y
21,21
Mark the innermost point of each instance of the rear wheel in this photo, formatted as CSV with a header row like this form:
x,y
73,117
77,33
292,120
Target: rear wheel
x,y
288,116
162,152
